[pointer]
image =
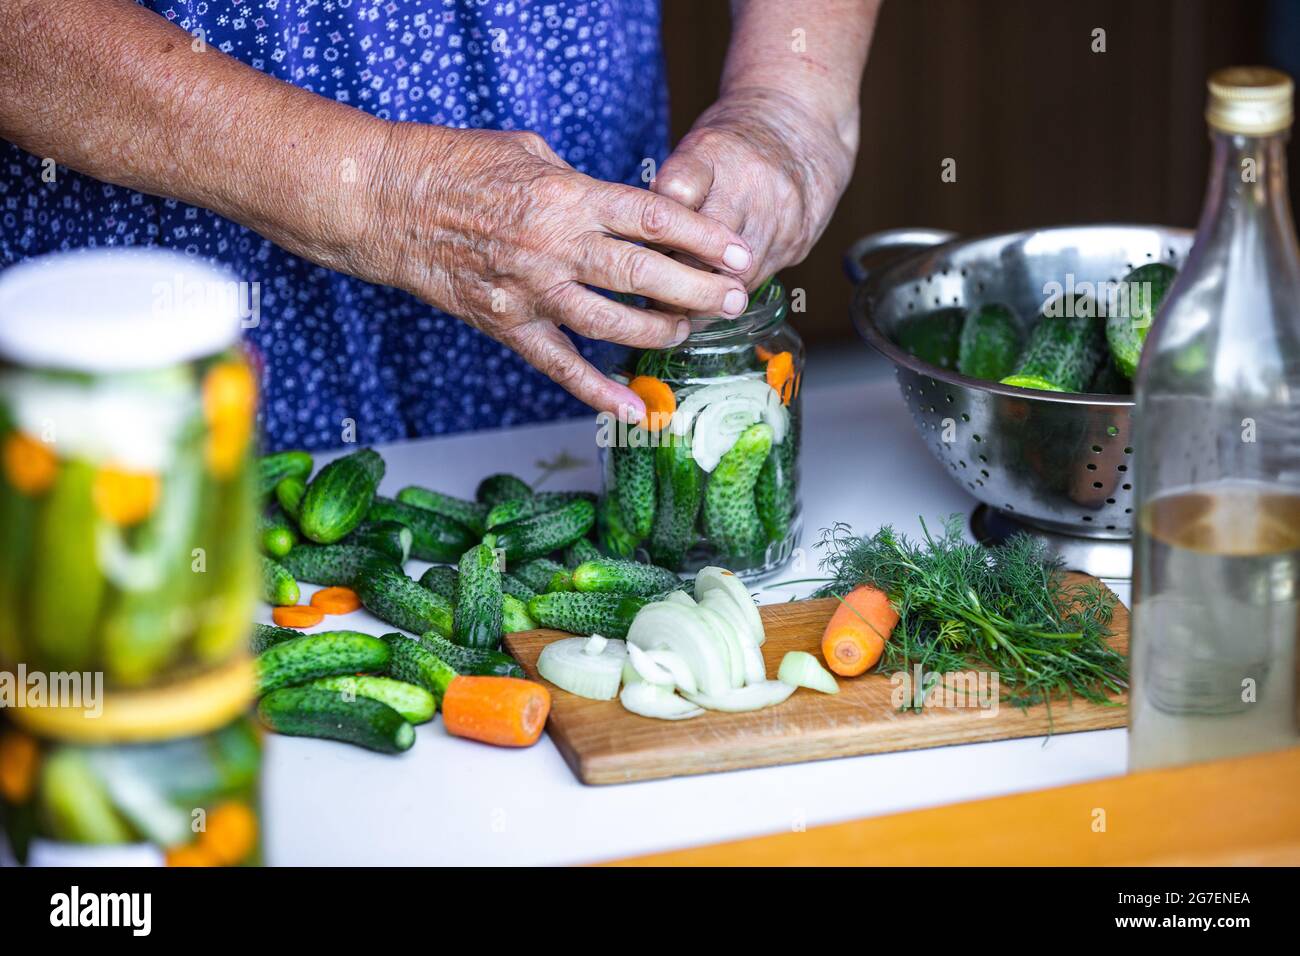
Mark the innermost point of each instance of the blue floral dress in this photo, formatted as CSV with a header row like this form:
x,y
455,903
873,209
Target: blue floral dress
x,y
587,76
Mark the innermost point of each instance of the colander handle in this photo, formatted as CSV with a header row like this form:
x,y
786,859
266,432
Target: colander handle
x,y
889,239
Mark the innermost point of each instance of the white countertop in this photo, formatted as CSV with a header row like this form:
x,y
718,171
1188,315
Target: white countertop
x,y
451,801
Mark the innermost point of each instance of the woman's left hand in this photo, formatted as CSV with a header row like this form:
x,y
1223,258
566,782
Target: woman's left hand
x,y
766,165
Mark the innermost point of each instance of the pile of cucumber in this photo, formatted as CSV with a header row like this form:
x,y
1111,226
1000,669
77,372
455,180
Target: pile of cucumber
x,y
509,560
1072,347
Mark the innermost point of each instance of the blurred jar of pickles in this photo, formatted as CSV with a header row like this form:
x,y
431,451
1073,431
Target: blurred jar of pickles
x,y
126,426
711,477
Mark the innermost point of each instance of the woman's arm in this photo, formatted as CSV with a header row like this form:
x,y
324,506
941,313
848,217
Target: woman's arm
x,y
490,226
773,155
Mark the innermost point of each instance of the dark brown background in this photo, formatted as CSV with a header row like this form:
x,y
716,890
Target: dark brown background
x,y
1044,131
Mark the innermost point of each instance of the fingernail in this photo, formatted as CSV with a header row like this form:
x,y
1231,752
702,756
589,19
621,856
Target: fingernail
x,y
734,303
736,258
683,332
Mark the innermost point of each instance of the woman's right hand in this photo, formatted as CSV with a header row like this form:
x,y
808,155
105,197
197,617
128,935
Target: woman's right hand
x,y
494,228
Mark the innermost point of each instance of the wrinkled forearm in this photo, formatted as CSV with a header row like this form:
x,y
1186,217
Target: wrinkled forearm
x,y
113,90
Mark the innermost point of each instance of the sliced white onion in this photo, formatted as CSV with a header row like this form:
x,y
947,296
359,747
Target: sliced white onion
x,y
714,416
595,644
725,633
653,700
680,597
567,665
672,662
750,697
743,646
801,669
649,671
720,579
666,625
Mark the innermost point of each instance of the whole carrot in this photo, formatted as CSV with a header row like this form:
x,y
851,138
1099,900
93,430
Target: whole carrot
x,y
855,636
505,711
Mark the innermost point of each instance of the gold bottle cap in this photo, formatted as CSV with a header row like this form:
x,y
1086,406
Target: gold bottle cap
x,y
1250,100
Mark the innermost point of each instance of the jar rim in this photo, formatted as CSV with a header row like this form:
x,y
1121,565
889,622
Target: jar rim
x,y
768,313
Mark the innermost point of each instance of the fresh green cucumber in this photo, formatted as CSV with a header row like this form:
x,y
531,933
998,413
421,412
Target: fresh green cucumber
x,y
278,585
680,490
275,468
410,700
331,565
391,596
515,616
513,586
441,580
609,615
478,600
613,535
289,494
633,468
501,487
774,491
579,552
1145,289
513,509
275,532
467,513
268,635
338,498
476,662
933,337
1062,354
434,537
412,661
544,533
390,538
730,513
991,340
74,802
319,655
615,576
317,712
539,574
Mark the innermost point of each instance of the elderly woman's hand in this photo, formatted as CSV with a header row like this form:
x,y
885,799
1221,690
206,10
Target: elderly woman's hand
x,y
769,167
495,229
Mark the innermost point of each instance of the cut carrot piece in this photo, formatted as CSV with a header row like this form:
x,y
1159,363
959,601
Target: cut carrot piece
x,y
855,636
336,600
20,756
231,833
29,464
505,711
191,855
229,403
660,402
763,354
125,497
780,370
297,615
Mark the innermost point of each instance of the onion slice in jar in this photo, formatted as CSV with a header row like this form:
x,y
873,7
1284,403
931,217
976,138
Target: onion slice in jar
x,y
568,665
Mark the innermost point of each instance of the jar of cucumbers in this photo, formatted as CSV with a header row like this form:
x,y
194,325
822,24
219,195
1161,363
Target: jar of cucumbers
x,y
711,475
126,432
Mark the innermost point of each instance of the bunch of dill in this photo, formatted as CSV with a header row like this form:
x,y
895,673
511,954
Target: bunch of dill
x,y
963,606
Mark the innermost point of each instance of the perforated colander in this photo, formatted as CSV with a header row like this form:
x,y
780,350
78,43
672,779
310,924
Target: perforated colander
x,y
1055,462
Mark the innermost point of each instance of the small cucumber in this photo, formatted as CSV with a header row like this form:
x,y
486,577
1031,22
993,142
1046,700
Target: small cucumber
x,y
412,661
478,600
331,565
278,585
275,533
275,468
614,576
319,655
390,538
467,513
933,337
74,802
268,635
515,616
633,468
680,489
580,552
434,537
542,575
515,509
410,700
1063,351
476,662
774,494
730,513
1145,289
609,615
441,580
613,535
317,712
338,498
991,340
544,533
391,596
497,488
516,588
289,494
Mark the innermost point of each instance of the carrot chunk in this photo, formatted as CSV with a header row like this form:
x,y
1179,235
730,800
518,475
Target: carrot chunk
x,y
297,615
660,402
125,497
336,600
30,465
780,374
505,711
855,636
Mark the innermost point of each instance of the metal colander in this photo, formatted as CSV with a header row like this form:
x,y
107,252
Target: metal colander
x,y
1058,465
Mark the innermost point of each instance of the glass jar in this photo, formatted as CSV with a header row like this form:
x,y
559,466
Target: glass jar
x,y
711,477
126,504
190,801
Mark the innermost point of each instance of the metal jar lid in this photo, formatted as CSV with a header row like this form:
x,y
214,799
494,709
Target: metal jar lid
x,y
1249,100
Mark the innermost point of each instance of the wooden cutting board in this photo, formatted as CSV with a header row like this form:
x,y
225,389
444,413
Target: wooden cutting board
x,y
603,743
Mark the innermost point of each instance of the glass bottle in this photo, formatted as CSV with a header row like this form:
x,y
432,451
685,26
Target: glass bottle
x,y
1216,586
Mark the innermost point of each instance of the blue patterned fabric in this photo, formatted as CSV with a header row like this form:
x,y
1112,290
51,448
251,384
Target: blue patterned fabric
x,y
586,76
